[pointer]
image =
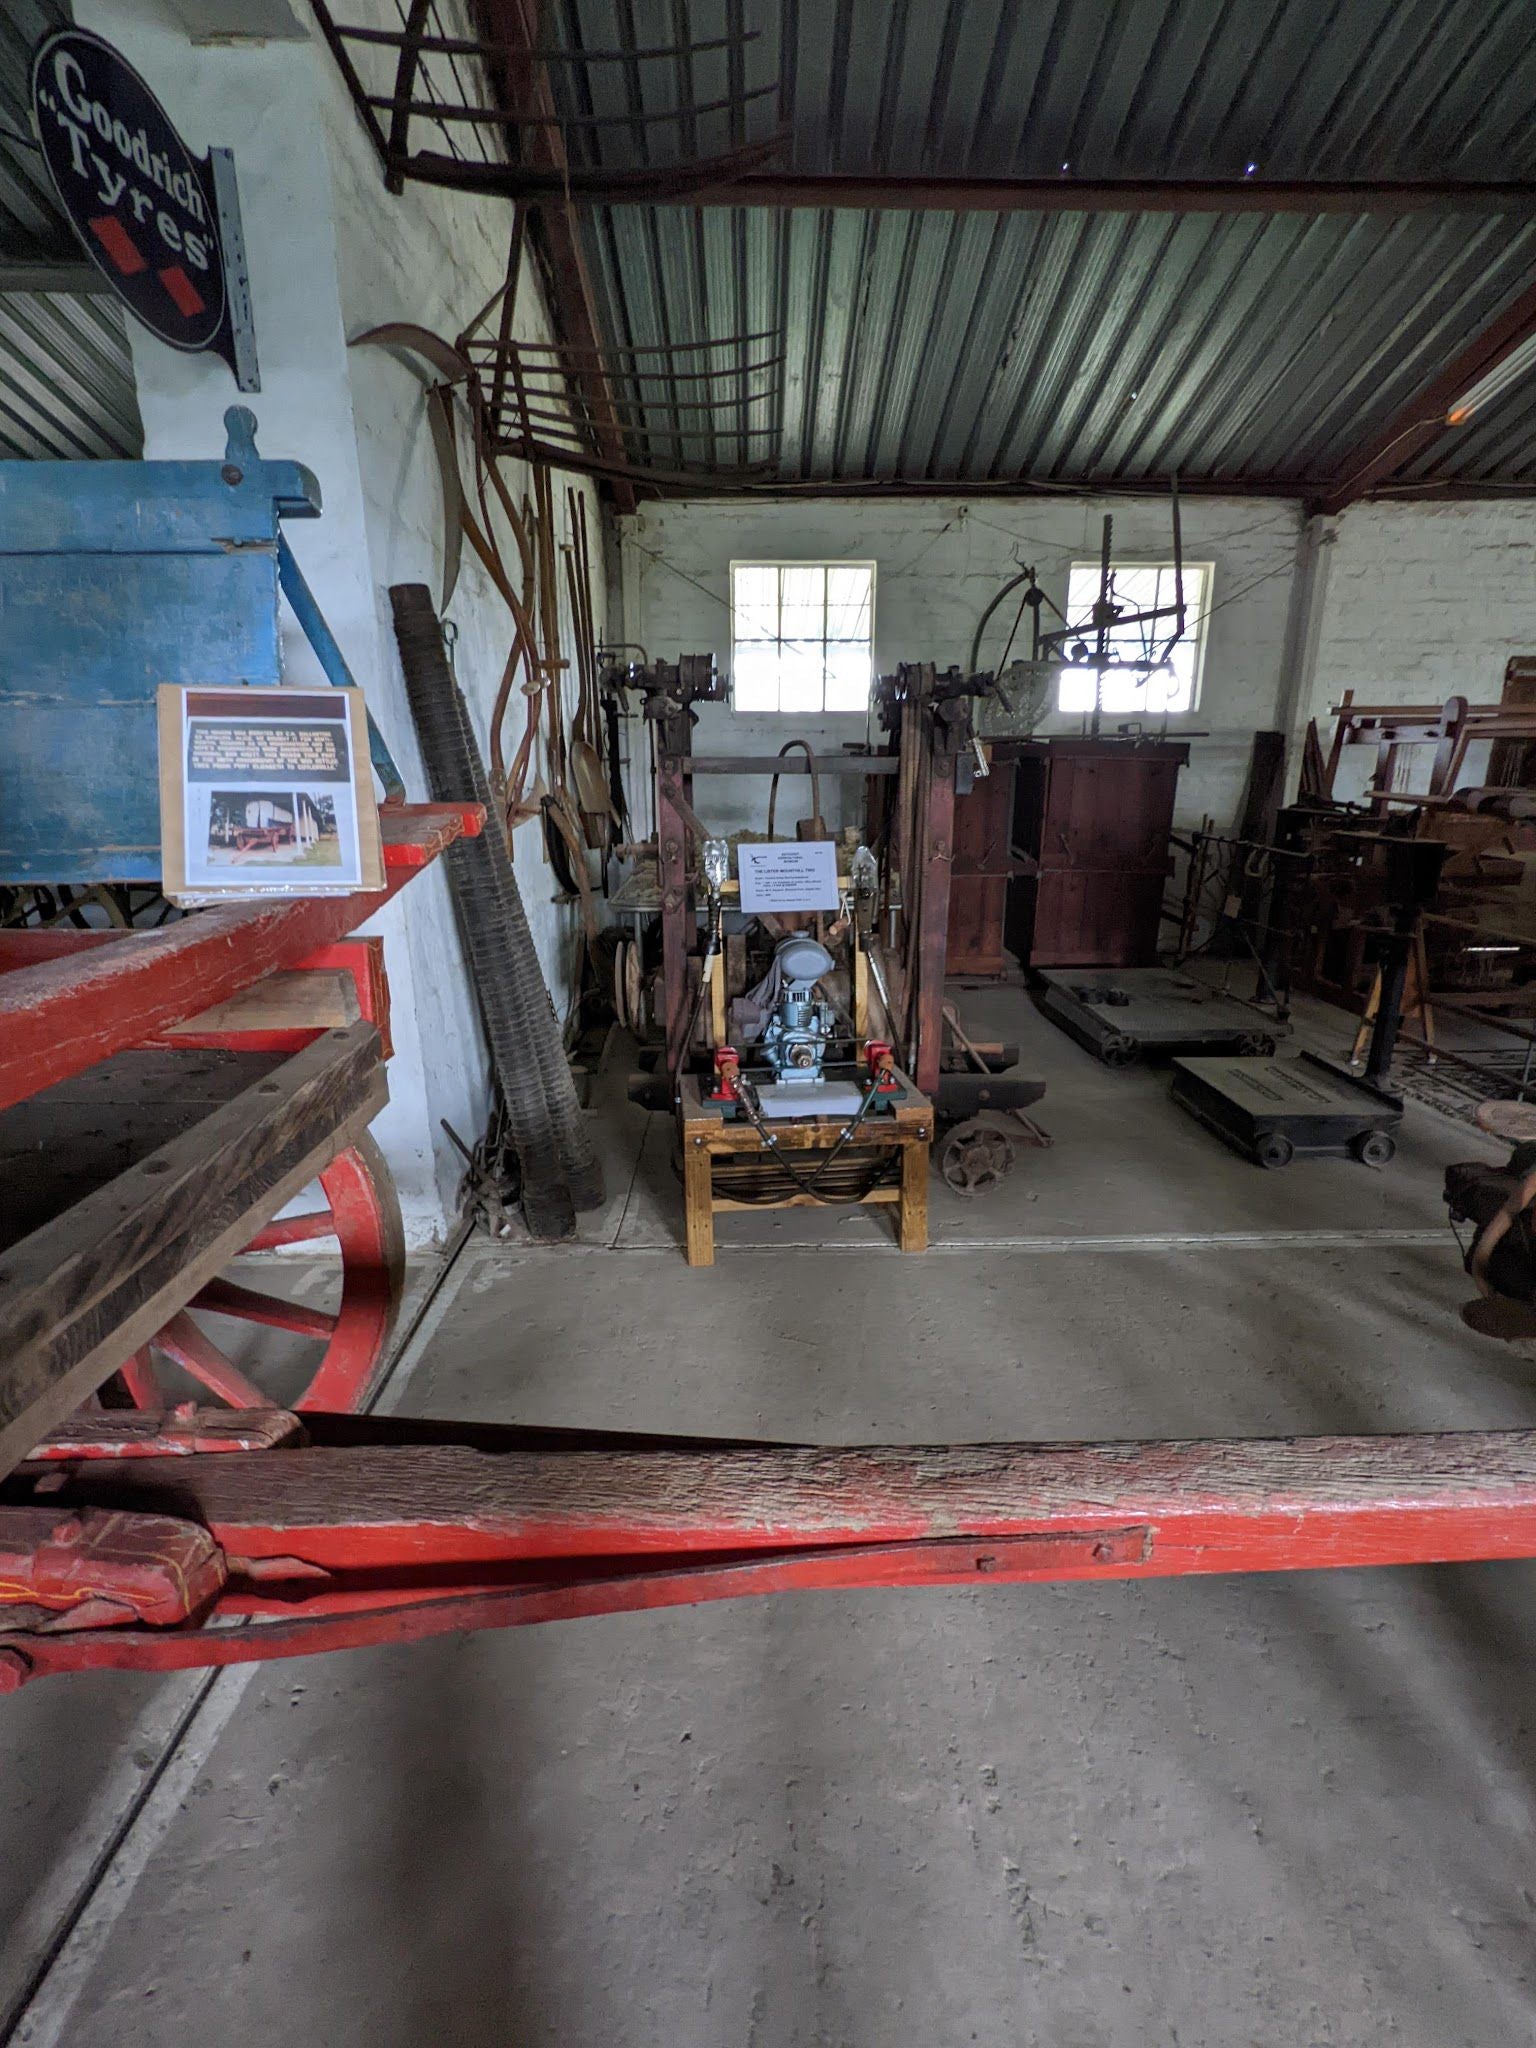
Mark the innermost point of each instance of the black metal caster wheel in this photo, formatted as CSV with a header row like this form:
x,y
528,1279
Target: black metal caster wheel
x,y
1274,1151
1373,1148
973,1158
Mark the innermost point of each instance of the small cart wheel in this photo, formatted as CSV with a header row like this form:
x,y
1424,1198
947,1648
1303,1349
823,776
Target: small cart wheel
x,y
362,1215
1256,1045
1373,1148
1274,1150
1119,1050
973,1158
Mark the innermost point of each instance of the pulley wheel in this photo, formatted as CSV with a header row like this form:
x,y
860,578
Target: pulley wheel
x,y
620,984
973,1158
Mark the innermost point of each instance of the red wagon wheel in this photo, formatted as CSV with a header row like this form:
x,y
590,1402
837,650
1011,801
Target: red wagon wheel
x,y
362,1215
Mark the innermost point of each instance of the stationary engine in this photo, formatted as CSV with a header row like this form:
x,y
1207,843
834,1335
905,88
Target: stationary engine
x,y
795,1037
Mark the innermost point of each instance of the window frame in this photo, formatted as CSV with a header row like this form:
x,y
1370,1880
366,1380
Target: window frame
x,y
1201,608
805,562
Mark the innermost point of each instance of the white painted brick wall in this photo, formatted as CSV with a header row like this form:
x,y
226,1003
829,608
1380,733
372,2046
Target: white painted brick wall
x,y
1424,602
332,253
939,562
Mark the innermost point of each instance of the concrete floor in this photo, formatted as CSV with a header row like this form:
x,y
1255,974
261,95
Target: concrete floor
x,y
1290,1810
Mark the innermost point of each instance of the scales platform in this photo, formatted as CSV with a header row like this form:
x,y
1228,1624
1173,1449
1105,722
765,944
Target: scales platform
x,y
1271,1110
1123,1013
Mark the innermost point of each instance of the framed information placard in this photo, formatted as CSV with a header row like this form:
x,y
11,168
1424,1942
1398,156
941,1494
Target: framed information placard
x,y
788,874
266,793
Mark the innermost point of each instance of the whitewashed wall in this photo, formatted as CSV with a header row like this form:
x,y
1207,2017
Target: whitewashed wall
x,y
1413,602
1422,602
331,253
938,564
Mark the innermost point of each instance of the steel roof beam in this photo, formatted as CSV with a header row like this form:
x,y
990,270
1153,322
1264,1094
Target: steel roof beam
x,y
523,82
1422,419
694,185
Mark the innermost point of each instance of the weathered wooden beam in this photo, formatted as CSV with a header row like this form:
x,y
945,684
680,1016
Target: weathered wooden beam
x,y
1206,1505
73,1003
792,764
83,1292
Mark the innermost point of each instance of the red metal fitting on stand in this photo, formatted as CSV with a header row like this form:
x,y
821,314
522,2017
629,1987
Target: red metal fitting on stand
x,y
882,1063
727,1068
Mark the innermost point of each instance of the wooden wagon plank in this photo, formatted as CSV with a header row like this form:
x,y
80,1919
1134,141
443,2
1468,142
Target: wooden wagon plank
x,y
73,1004
82,1292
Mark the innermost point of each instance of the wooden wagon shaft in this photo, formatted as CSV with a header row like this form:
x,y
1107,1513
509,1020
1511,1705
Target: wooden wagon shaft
x,y
69,1006
418,1540
83,1292
1206,1505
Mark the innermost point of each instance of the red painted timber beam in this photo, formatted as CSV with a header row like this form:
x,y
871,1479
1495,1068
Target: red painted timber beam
x,y
83,996
1425,416
332,1548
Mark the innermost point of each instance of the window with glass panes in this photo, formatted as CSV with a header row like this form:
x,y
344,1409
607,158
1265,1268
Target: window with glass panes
x,y
1139,587
802,635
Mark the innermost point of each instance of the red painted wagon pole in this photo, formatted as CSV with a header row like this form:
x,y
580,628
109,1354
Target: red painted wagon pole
x,y
375,1538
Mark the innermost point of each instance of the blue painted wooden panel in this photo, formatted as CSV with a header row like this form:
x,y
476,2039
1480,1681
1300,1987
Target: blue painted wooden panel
x,y
122,507
116,577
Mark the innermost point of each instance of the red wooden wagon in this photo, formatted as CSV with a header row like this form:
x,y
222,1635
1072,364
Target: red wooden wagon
x,y
161,1534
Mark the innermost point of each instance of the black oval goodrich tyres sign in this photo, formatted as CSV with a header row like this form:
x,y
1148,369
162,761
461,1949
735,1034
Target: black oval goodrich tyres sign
x,y
136,196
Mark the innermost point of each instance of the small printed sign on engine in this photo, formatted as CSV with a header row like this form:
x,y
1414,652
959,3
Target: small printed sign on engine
x,y
788,874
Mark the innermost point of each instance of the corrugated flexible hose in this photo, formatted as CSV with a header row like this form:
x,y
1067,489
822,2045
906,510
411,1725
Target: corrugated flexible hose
x,y
560,1170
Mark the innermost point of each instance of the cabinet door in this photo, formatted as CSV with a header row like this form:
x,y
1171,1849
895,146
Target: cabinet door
x,y
1103,860
978,886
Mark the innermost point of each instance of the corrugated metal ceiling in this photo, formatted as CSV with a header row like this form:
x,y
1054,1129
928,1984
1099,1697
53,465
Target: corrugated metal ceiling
x,y
1112,88
1066,347
66,375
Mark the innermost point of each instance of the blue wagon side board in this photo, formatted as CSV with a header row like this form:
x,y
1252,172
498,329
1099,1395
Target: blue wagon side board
x,y
116,577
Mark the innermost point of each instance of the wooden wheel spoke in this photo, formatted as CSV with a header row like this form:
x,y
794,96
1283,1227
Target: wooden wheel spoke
x,y
224,1298
293,1230
139,1378
187,1346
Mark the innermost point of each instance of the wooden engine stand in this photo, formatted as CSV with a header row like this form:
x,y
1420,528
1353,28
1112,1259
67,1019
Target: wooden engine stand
x,y
721,1161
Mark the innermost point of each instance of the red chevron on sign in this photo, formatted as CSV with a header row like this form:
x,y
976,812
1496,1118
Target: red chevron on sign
x,y
118,243
188,299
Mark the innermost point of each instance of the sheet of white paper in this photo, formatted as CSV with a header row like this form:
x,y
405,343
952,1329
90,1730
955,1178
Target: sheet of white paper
x,y
788,874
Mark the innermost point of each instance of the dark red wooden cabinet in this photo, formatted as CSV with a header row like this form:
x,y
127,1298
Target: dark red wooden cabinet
x,y
1096,815
979,876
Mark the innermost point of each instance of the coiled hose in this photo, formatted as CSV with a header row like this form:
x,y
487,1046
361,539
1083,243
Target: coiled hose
x,y
560,1170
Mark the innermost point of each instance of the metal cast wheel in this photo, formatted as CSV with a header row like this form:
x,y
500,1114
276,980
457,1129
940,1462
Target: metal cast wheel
x,y
973,1158
1373,1148
1256,1045
621,983
1275,1150
1119,1050
361,1216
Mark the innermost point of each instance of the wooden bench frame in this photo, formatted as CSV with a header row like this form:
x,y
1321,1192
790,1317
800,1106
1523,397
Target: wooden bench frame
x,y
706,1137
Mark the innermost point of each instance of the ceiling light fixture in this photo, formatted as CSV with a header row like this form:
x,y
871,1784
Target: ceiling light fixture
x,y
1497,381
